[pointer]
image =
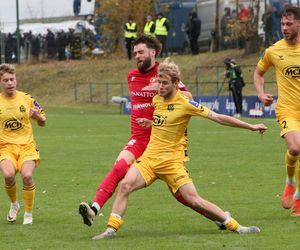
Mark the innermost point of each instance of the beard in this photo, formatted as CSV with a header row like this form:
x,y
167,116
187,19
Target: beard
x,y
145,65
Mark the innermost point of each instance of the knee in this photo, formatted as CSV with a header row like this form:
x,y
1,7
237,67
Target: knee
x,y
195,201
9,179
125,188
294,150
27,178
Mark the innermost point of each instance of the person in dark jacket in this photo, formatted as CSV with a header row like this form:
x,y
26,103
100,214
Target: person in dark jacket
x,y
193,32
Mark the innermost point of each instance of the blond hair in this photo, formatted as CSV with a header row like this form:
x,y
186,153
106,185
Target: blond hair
x,y
169,68
6,68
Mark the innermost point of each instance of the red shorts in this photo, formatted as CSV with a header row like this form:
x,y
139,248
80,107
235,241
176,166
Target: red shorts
x,y
136,145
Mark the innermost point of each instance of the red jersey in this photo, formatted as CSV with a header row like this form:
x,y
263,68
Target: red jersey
x,y
141,95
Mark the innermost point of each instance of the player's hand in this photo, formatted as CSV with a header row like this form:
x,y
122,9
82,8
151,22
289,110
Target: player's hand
x,y
266,99
144,122
35,114
261,128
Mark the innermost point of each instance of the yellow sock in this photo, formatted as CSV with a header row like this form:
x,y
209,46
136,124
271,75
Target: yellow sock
x,y
290,165
12,191
232,225
115,222
28,197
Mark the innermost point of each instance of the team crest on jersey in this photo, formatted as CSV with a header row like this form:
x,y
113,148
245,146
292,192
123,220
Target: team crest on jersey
x,y
196,104
153,84
22,109
159,120
292,71
171,107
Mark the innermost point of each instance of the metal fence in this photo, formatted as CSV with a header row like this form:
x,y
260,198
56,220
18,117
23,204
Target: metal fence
x,y
209,81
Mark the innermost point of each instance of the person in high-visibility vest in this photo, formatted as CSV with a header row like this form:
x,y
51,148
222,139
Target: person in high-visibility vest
x,y
149,27
130,34
161,32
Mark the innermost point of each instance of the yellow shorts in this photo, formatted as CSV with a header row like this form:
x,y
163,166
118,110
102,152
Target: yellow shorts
x,y
18,154
172,172
288,124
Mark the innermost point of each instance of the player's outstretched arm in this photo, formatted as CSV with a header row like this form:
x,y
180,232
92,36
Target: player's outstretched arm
x,y
234,122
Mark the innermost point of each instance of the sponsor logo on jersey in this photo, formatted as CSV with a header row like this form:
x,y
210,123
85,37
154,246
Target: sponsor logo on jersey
x,y
196,104
142,94
12,125
142,106
159,120
22,109
292,71
171,107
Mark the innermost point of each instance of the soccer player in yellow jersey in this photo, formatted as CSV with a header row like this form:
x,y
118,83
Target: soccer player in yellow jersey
x,y
18,151
163,157
285,57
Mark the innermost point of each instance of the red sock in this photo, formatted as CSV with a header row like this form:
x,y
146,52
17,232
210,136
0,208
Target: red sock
x,y
184,202
110,182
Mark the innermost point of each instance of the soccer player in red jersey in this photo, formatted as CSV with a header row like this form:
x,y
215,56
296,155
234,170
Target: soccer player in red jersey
x,y
142,87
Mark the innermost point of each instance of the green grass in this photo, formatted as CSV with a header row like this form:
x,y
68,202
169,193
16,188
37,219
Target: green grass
x,y
239,170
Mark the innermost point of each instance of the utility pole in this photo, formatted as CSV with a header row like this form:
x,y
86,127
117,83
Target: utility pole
x,y
18,32
216,33
2,44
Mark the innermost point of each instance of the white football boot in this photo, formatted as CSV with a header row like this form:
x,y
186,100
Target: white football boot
x,y
13,212
109,233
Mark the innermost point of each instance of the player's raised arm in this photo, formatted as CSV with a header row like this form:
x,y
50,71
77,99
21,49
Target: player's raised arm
x,y
234,122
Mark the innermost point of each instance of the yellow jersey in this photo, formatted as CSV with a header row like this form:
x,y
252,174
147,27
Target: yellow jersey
x,y
170,120
14,118
286,60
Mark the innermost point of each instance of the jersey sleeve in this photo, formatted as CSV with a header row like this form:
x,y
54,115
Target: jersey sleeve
x,y
35,104
265,61
195,109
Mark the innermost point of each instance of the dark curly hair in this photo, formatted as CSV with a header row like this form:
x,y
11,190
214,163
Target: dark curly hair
x,y
150,41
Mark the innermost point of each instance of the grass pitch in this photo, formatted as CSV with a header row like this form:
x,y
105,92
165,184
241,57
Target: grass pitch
x,y
239,170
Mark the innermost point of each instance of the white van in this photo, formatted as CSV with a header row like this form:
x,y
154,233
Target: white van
x,y
206,10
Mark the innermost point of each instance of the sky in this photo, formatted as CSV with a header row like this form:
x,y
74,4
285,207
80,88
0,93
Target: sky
x,y
29,9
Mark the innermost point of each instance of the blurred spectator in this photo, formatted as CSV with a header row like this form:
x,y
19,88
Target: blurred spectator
x,y
225,31
267,26
276,28
149,27
76,46
193,31
90,42
244,13
10,48
161,32
130,33
51,44
36,47
61,42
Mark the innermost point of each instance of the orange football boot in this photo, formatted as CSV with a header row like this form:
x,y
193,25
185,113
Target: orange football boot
x,y
296,208
287,196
